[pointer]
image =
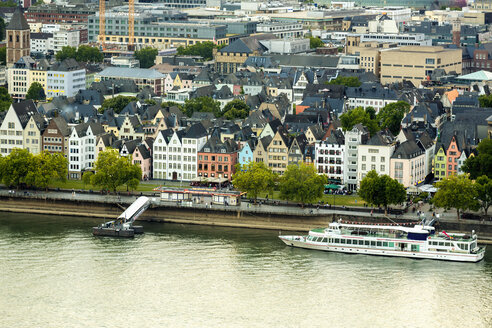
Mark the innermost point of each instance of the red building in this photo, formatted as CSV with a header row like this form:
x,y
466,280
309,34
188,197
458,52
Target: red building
x,y
454,153
217,159
49,14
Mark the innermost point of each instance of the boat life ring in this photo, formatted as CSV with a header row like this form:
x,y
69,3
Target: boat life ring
x,y
452,249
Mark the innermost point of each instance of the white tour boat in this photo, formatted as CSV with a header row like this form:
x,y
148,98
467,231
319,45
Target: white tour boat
x,y
420,241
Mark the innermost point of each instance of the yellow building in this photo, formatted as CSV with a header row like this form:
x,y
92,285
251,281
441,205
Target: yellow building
x,y
416,63
369,54
24,72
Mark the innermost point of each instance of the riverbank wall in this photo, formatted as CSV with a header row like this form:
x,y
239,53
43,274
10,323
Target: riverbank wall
x,y
288,219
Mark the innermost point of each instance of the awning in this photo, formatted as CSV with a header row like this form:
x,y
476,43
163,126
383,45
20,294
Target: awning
x,y
332,186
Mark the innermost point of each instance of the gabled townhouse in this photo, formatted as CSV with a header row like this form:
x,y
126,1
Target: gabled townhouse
x,y
376,154
270,128
217,159
55,136
260,153
296,150
129,127
453,154
82,148
314,134
277,152
330,157
32,133
407,164
13,127
175,153
353,138
440,161
104,141
142,156
245,155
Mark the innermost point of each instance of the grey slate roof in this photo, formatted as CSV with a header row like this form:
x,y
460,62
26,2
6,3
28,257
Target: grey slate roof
x,y
18,21
131,73
408,149
24,110
67,65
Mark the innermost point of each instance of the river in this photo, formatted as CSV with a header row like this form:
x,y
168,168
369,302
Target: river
x,y
54,273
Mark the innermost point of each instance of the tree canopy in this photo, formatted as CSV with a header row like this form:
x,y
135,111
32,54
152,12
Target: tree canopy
x,y
482,163
5,99
381,190
146,56
2,30
456,191
202,49
485,100
36,92
20,166
483,186
253,178
315,43
359,115
301,183
82,54
117,103
202,104
3,55
391,115
113,171
235,109
348,81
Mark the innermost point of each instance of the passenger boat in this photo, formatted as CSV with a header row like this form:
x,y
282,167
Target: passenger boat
x,y
420,241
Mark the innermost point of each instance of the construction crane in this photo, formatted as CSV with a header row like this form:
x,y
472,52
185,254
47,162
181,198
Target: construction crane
x,y
102,22
131,24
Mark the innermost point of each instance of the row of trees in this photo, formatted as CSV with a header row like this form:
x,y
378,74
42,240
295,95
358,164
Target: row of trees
x,y
82,54
232,110
389,117
202,49
22,167
299,183
462,193
348,81
112,171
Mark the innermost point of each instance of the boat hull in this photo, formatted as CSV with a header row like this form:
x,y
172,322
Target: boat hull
x,y
299,241
112,232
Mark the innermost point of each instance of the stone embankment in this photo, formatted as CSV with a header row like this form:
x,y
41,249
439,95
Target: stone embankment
x,y
282,218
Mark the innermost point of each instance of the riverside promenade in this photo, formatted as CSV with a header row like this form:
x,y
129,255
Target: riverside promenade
x,y
265,215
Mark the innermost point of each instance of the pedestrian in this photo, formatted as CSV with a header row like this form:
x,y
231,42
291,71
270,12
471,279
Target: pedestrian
x,y
371,212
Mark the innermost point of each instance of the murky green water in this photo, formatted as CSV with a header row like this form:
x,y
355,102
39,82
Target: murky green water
x,y
54,273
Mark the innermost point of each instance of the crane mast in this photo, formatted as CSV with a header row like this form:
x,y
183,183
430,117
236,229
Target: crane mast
x,y
131,24
102,21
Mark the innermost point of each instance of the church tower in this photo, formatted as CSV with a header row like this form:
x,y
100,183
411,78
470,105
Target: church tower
x,y
456,30
18,37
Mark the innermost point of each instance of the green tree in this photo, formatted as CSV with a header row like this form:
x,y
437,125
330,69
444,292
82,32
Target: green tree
x,y
359,115
146,56
381,190
88,54
46,168
113,171
8,3
166,104
253,178
348,81
87,177
36,92
5,99
235,109
3,55
2,30
483,186
456,191
16,167
482,163
485,100
202,49
301,183
315,43
117,103
391,115
202,104
151,102
66,52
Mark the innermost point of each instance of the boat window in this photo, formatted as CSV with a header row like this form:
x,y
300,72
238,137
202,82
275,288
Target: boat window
x,y
373,243
324,240
379,244
349,241
385,244
342,241
447,244
337,241
361,242
366,242
441,243
465,247
391,244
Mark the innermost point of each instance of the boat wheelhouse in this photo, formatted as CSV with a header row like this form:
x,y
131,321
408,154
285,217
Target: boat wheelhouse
x,y
419,241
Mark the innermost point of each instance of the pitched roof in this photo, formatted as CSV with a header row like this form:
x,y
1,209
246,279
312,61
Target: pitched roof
x,y
18,21
129,73
24,110
196,131
237,46
408,149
